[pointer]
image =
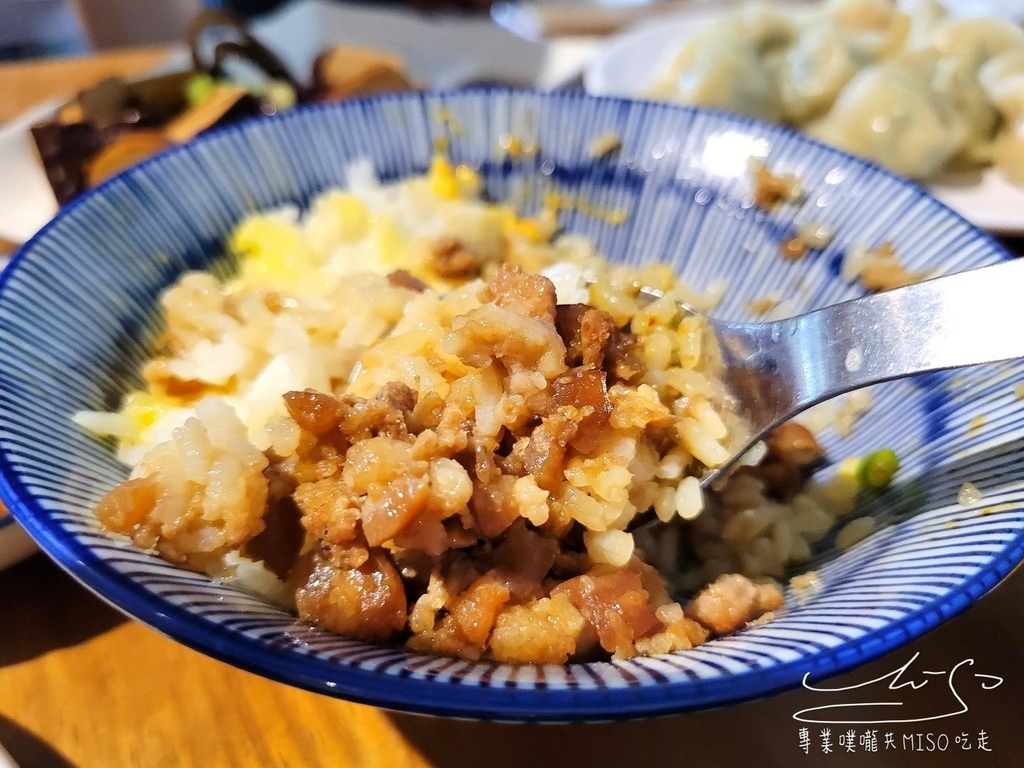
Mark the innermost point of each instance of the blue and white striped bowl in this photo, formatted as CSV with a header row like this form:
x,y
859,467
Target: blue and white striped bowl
x,y
78,317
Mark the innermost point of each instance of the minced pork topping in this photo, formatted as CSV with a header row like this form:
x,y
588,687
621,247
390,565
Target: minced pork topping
x,y
416,418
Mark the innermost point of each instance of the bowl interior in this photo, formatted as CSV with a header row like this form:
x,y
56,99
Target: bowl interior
x,y
78,317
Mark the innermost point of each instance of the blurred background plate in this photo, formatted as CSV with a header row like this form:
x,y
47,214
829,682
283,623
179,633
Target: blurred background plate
x,y
15,546
439,52
539,19
630,63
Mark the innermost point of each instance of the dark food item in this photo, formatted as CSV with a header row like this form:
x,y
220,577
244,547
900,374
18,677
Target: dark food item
x,y
65,151
116,124
451,258
226,105
79,155
102,117
346,71
104,104
128,149
243,45
401,278
591,338
113,101
793,454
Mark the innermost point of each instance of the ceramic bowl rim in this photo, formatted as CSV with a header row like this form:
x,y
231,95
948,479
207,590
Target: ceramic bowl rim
x,y
427,696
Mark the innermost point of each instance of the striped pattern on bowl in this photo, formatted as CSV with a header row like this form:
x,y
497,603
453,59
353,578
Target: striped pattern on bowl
x,y
78,317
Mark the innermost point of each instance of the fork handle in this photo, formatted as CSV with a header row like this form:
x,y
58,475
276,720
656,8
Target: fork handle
x,y
779,369
964,319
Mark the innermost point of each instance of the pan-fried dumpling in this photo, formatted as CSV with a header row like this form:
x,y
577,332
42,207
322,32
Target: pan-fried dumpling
x,y
813,71
975,41
766,27
860,15
875,29
964,47
1008,152
889,113
956,81
1002,79
924,16
723,72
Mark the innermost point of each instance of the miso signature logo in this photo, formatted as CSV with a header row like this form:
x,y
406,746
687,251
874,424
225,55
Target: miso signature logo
x,y
941,695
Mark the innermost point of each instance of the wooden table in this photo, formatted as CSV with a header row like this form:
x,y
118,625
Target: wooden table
x,y
80,685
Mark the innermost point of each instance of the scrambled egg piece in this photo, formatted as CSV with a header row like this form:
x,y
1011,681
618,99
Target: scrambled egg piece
x,y
271,251
305,260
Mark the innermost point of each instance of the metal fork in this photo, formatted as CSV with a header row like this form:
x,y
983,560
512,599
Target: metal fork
x,y
777,369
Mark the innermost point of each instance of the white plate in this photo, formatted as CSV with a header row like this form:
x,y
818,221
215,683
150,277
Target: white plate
x,y
440,52
26,200
6,761
15,546
631,63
